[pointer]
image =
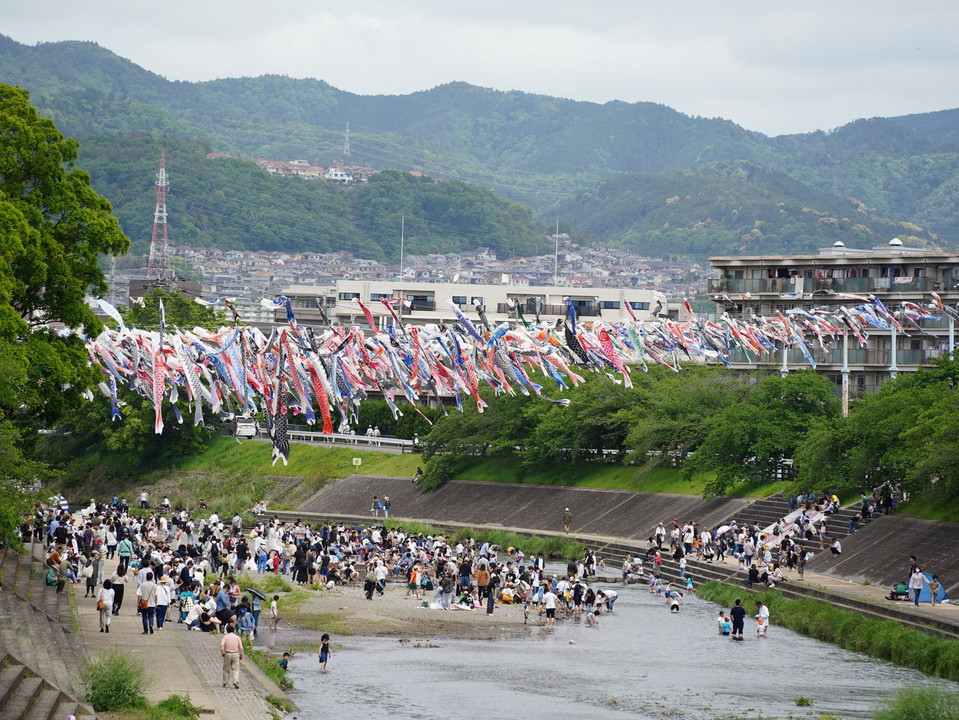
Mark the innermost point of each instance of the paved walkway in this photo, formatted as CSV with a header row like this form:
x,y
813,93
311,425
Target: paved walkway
x,y
178,661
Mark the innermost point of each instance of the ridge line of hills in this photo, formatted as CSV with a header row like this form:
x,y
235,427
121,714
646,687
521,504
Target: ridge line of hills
x,y
640,176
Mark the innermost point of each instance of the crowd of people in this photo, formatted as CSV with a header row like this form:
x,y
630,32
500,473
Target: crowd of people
x,y
185,566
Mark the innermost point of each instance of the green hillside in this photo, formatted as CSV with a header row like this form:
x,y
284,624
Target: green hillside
x,y
533,149
727,209
233,204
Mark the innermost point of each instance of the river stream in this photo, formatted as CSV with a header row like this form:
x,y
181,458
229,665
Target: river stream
x,y
640,662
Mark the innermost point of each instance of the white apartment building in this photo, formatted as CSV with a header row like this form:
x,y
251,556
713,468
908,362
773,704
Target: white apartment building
x,y
893,273
430,302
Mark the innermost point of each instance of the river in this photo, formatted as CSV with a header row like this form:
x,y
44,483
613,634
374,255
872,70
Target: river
x,y
641,662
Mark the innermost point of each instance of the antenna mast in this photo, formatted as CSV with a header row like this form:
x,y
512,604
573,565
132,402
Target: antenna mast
x,y
159,269
346,141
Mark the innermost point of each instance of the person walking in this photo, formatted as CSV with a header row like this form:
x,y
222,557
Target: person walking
x,y
413,586
916,581
549,605
147,600
274,612
231,650
118,581
324,651
95,576
164,595
738,614
369,584
124,551
762,615
105,605
567,520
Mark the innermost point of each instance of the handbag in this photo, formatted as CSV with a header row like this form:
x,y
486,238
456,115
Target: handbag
x,y
144,604
100,604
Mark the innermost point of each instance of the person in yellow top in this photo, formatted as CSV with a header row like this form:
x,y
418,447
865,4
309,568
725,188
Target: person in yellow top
x,y
231,650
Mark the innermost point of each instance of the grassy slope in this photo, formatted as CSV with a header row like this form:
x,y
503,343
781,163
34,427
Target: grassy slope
x,y
253,459
229,475
948,512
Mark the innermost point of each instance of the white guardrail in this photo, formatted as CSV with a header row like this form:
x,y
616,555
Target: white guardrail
x,y
400,444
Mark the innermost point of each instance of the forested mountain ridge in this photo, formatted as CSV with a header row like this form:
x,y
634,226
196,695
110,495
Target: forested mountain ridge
x,y
538,150
728,208
233,204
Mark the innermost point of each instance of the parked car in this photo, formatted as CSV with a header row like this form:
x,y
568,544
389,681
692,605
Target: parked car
x,y
245,427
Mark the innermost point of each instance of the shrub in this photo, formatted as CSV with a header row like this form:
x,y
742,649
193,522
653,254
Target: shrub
x,y
279,703
920,704
268,584
115,681
180,706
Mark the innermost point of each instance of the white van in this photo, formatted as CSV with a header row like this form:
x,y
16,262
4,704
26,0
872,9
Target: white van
x,y
245,427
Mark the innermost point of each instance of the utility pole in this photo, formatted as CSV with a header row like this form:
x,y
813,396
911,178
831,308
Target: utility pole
x,y
556,254
346,141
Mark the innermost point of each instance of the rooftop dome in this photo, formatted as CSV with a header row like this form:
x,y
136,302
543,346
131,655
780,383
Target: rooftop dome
x,y
896,242
839,243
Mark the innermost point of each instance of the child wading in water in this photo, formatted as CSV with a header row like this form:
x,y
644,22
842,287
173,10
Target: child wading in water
x,y
324,651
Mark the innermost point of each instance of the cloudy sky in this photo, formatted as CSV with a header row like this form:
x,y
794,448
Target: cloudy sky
x,y
771,66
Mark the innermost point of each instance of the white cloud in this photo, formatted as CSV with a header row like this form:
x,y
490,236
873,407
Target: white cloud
x,y
768,66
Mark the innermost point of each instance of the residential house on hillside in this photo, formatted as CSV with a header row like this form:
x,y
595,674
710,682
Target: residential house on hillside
x,y
338,173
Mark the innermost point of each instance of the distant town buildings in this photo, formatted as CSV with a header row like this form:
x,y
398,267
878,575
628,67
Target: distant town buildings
x,y
249,275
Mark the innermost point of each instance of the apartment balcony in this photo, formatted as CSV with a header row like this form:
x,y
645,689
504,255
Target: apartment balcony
x,y
859,286
548,310
833,356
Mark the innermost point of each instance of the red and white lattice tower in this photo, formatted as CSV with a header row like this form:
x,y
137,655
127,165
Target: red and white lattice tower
x,y
159,268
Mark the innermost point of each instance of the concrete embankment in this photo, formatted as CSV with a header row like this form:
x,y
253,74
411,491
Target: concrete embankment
x,y
616,513
880,551
615,522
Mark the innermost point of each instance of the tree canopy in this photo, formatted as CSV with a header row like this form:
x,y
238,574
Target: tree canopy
x,y
723,428
907,434
53,228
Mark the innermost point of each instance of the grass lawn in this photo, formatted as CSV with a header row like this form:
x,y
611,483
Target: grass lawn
x,y
254,459
948,512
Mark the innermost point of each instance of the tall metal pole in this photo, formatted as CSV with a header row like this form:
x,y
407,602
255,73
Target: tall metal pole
x,y
784,370
556,253
845,375
893,368
952,335
402,239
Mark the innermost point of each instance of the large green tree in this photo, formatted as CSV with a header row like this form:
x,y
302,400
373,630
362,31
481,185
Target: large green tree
x,y
180,311
906,434
748,440
53,228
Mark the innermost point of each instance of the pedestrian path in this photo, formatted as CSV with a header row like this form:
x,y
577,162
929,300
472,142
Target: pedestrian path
x,y
178,661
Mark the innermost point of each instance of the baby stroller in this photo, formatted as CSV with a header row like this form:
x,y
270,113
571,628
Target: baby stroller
x,y
186,604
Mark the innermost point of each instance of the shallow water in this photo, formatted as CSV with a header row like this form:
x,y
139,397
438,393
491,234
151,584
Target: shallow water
x,y
640,662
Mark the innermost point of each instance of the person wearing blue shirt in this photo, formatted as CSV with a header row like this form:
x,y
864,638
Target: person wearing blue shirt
x,y
246,623
223,611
